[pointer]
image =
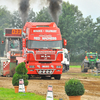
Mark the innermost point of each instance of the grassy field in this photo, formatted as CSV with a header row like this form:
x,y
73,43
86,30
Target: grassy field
x,y
9,94
75,66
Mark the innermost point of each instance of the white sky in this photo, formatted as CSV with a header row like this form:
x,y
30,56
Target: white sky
x,y
87,7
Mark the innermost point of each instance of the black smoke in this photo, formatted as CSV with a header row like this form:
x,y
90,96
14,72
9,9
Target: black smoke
x,y
24,8
55,9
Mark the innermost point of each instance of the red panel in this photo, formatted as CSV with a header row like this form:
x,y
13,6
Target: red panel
x,y
45,34
59,57
6,68
31,57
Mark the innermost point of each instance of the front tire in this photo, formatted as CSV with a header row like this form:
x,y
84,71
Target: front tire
x,y
57,77
43,77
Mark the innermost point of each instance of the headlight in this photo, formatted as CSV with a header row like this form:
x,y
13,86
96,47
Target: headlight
x,y
32,66
58,66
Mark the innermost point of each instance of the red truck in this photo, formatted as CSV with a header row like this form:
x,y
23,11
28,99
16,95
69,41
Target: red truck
x,y
42,49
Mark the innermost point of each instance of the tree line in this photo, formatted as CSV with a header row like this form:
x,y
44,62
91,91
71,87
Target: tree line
x,y
82,34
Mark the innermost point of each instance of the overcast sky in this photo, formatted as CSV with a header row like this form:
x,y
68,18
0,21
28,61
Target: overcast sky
x,y
87,7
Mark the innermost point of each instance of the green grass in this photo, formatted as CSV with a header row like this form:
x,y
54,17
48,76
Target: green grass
x,y
9,94
75,66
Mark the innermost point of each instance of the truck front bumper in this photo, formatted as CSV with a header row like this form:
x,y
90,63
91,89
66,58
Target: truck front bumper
x,y
44,68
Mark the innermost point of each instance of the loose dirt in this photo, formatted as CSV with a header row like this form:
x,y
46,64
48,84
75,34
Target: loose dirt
x,y
39,86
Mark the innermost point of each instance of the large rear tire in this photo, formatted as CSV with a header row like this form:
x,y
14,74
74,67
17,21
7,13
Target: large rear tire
x,y
84,67
98,67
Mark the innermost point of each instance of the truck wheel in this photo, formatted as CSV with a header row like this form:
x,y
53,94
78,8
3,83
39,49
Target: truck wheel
x,y
64,68
57,77
43,77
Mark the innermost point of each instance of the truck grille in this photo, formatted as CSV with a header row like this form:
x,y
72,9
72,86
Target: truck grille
x,y
46,57
45,71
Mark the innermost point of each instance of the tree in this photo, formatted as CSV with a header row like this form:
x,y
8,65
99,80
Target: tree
x,y
43,16
69,23
87,35
32,16
17,21
97,35
5,22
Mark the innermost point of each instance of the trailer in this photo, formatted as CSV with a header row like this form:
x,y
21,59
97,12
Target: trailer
x,y
12,52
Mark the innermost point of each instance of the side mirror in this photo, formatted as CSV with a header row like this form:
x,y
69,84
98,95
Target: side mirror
x,y
64,42
23,35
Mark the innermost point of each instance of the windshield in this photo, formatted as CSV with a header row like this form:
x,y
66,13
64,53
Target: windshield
x,y
14,44
92,56
45,44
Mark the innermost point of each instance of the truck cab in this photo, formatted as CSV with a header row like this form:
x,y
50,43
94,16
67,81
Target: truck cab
x,y
42,49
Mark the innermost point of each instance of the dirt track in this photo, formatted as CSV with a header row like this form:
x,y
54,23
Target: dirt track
x,y
39,86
